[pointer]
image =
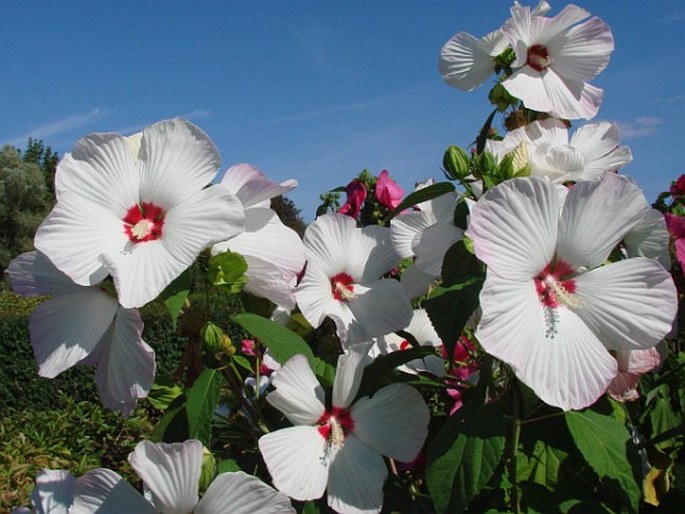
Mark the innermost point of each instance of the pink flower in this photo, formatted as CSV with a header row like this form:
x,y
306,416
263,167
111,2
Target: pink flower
x,y
356,195
676,227
632,364
388,192
678,187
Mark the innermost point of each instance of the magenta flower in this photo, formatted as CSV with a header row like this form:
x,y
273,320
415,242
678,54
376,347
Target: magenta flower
x,y
388,192
356,195
676,227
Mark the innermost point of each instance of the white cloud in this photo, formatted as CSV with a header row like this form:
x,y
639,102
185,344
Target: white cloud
x,y
642,126
66,124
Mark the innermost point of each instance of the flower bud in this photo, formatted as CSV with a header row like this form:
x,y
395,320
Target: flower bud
x,y
456,162
208,470
212,337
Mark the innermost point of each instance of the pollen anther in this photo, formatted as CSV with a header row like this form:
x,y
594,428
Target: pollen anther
x,y
563,295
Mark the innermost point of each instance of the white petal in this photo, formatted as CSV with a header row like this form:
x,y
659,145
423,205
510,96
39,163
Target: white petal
x,y
329,244
348,374
240,493
372,252
102,169
171,472
250,184
176,159
416,282
54,491
103,491
267,280
599,143
32,274
629,304
67,328
356,479
571,98
298,394
466,62
382,309
649,238
126,367
550,350
314,295
422,329
394,421
526,84
583,52
406,229
75,233
514,227
433,245
297,461
596,217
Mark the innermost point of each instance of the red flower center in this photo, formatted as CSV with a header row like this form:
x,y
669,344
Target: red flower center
x,y
538,57
333,425
555,287
144,222
342,286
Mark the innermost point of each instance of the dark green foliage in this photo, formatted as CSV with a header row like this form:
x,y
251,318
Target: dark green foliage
x,y
289,214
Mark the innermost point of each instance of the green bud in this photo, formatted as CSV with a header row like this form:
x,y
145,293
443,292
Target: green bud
x,y
208,469
456,162
212,337
487,163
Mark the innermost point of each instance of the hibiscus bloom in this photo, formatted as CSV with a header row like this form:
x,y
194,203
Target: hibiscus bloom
x,y
550,310
340,448
555,59
274,253
592,151
137,208
632,364
356,196
388,193
676,227
171,473
85,325
343,280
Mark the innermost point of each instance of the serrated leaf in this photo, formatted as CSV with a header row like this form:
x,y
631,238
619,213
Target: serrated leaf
x,y
602,441
228,269
203,398
422,195
281,342
175,295
464,455
542,466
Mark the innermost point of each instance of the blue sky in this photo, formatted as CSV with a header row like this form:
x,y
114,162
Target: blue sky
x,y
315,91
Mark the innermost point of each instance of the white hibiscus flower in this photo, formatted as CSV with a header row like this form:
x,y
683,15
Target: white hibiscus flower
x,y
550,310
137,208
340,448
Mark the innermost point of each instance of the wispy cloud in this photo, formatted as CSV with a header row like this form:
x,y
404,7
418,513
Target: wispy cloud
x,y
66,124
640,127
312,42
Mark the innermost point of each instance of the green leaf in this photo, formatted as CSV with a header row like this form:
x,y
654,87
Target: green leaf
x,y
203,398
175,294
422,195
663,420
228,466
173,427
542,466
163,392
310,508
281,342
325,371
464,455
375,372
228,269
602,440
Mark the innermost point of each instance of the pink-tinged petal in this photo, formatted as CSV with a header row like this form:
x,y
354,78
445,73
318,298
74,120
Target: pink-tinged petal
x,y
67,328
102,169
176,159
649,238
126,364
406,229
514,227
105,492
388,192
583,52
348,374
250,184
75,233
394,421
54,491
675,225
267,238
680,252
632,364
526,84
466,62
433,245
207,217
629,304
596,217
382,309
550,349
314,296
171,472
240,493
356,479
571,98
32,274
297,461
298,394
